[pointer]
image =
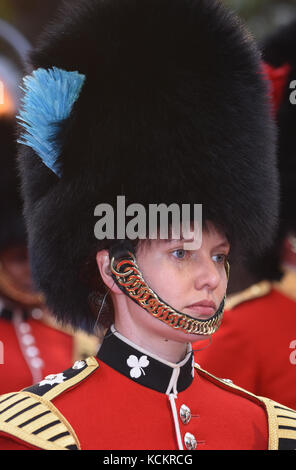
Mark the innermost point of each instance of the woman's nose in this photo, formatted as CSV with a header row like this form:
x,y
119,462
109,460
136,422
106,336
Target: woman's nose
x,y
207,275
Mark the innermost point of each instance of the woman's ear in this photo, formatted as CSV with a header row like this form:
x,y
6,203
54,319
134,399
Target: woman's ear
x,y
103,263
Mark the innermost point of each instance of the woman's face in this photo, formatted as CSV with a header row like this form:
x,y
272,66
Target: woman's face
x,y
183,278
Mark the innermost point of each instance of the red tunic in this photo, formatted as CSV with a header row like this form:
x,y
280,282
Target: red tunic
x,y
134,402
256,347
32,349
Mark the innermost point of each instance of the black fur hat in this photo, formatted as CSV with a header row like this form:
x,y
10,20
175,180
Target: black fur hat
x,y
173,110
279,52
12,225
280,49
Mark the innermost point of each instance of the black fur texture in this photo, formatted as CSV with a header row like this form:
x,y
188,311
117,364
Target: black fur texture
x,y
174,109
280,49
12,225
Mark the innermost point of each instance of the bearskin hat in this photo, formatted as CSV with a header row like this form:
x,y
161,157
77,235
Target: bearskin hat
x,y
173,109
12,225
279,56
279,51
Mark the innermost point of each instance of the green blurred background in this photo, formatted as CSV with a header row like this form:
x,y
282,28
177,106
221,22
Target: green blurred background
x,y
262,16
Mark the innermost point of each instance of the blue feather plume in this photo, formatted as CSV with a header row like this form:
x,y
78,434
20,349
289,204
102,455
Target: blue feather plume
x,y
49,98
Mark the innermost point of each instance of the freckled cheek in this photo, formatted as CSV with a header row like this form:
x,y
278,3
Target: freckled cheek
x,y
173,289
171,284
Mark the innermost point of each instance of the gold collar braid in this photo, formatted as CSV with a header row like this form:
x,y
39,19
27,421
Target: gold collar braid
x,y
128,277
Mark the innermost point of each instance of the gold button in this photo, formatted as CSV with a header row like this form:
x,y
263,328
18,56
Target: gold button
x,y
190,441
185,414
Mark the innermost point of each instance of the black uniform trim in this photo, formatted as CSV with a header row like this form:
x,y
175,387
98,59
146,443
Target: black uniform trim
x,y
286,417
13,404
116,351
47,426
284,408
59,436
8,398
292,428
40,389
287,444
22,412
31,420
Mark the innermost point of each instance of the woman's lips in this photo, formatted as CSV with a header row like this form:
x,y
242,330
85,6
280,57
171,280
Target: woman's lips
x,y
207,309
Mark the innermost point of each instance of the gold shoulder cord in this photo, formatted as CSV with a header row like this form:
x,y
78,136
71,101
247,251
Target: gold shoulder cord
x,y
253,292
281,419
128,276
34,420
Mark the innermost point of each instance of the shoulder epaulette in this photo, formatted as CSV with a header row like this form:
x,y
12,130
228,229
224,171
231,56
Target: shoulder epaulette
x,y
253,292
31,417
281,419
282,425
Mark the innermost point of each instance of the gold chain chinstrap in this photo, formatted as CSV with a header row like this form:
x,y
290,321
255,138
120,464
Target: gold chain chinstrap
x,y
128,276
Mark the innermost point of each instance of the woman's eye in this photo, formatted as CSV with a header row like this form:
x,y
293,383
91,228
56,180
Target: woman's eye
x,y
179,254
221,258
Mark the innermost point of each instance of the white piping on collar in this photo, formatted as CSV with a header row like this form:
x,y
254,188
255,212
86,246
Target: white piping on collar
x,y
172,398
173,365
172,387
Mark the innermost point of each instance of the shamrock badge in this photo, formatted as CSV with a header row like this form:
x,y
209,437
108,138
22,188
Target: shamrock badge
x,y
137,366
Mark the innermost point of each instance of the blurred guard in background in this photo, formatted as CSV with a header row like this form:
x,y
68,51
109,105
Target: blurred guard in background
x,y
32,343
169,107
256,345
